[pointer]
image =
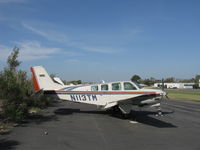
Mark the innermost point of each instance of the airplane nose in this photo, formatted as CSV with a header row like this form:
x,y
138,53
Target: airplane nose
x,y
163,93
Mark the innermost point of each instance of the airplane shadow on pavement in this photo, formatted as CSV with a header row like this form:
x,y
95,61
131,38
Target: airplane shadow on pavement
x,y
6,144
144,117
150,118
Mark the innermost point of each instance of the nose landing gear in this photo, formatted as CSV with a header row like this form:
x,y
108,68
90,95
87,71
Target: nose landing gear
x,y
159,112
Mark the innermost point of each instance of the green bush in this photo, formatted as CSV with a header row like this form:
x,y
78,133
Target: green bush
x,y
40,101
196,86
13,88
15,112
16,91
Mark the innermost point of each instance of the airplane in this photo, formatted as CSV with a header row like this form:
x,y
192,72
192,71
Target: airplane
x,y
119,96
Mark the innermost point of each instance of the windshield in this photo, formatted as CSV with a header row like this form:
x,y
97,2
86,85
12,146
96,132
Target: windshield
x,y
138,85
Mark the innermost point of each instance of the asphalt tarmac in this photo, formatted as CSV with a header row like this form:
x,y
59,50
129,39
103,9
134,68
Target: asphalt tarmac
x,y
73,126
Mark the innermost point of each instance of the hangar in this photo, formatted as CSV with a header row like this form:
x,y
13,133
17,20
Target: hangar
x,y
175,85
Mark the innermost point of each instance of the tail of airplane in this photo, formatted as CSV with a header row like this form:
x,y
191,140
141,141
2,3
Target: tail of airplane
x,y
42,80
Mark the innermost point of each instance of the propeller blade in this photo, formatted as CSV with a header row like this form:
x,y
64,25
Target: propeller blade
x,y
167,96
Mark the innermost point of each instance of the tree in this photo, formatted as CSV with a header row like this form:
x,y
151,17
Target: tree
x,y
187,80
16,91
13,88
148,82
196,81
135,78
169,80
12,61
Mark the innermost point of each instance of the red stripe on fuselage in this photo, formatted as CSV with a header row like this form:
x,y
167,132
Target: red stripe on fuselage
x,y
123,92
35,82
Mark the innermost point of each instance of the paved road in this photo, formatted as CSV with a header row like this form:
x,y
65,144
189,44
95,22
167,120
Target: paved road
x,y
73,126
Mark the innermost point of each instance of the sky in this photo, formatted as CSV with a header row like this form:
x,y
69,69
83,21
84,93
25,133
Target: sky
x,y
94,40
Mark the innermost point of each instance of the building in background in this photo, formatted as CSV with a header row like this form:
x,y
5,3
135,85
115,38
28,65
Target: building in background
x,y
175,85
199,82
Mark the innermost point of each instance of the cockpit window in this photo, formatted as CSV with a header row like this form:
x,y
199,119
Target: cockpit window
x,y
116,86
104,87
138,85
94,88
129,86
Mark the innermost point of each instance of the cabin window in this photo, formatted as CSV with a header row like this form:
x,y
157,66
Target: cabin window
x,y
104,87
94,88
116,86
129,86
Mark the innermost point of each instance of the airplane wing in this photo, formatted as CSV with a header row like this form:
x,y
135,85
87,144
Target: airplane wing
x,y
139,101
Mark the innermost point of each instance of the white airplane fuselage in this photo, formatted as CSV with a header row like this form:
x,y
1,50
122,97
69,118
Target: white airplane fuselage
x,y
122,94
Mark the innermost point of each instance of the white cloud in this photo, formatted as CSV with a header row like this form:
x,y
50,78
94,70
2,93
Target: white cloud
x,y
12,1
100,50
4,52
29,50
71,54
72,61
65,40
50,35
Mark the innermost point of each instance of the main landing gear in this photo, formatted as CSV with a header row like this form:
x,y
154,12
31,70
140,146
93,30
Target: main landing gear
x,y
119,112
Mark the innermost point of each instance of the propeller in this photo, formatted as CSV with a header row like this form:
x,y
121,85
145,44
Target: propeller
x,y
167,96
164,94
163,89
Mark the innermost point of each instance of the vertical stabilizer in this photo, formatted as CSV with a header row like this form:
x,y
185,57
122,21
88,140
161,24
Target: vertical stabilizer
x,y
42,80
